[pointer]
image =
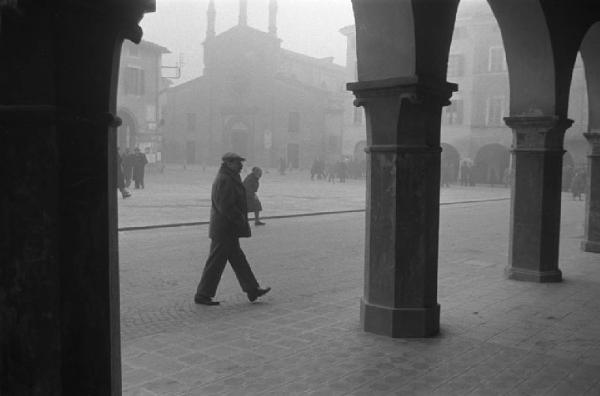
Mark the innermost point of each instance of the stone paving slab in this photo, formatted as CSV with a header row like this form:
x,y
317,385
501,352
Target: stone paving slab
x,y
183,196
498,337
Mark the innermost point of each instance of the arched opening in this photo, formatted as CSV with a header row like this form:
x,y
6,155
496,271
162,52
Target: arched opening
x,y
490,164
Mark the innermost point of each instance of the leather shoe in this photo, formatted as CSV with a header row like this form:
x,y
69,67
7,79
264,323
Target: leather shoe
x,y
205,300
253,295
259,223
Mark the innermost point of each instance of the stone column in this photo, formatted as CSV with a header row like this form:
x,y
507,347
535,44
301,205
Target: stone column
x,y
536,193
591,243
59,299
402,216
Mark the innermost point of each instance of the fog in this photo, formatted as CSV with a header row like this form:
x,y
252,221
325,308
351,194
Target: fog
x,y
306,26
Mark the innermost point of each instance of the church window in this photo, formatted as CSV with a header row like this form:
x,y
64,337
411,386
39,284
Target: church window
x,y
495,111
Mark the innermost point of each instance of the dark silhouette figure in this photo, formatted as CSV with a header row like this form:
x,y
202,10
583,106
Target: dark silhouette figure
x,y
120,178
128,161
139,165
251,184
282,166
331,171
445,175
228,223
342,170
578,184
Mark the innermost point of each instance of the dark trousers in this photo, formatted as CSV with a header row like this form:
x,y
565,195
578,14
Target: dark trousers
x,y
221,251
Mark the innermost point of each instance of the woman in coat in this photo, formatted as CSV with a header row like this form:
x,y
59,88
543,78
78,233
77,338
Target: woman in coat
x,y
251,184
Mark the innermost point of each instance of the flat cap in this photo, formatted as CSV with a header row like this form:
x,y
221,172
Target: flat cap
x,y
232,157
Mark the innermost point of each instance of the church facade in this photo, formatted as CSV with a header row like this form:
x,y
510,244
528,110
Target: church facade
x,y
257,99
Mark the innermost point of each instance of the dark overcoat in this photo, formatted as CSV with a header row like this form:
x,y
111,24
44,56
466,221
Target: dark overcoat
x,y
139,163
229,211
251,184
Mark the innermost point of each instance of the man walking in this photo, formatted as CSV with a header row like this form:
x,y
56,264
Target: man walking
x,y
228,223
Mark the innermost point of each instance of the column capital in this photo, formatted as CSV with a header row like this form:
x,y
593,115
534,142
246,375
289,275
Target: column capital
x,y
593,139
538,133
417,90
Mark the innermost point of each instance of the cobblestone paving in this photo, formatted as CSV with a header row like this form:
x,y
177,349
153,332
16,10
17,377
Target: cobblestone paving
x,y
304,338
183,196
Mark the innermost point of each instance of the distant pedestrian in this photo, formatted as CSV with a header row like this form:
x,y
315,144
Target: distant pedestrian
x,y
445,174
120,178
314,169
228,223
464,174
578,184
128,161
342,170
331,171
251,184
139,165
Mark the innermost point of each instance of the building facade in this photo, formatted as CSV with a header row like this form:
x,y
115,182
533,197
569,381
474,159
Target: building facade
x,y
473,127
138,106
267,103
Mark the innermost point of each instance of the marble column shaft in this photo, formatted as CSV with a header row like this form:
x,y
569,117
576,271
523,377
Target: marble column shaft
x,y
402,218
536,197
591,242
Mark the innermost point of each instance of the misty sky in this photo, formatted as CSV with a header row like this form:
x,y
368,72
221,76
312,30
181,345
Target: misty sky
x,y
306,26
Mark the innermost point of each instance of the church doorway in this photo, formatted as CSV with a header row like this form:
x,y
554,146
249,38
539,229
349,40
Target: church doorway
x,y
239,138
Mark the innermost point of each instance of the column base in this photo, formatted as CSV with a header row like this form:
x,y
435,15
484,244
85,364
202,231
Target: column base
x,y
400,322
590,246
527,275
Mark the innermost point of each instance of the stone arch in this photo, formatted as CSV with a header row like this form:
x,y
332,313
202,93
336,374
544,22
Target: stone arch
x,y
541,44
450,162
490,163
403,38
128,130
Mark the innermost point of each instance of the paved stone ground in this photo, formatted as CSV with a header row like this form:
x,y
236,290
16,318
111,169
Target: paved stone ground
x,y
180,196
304,338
